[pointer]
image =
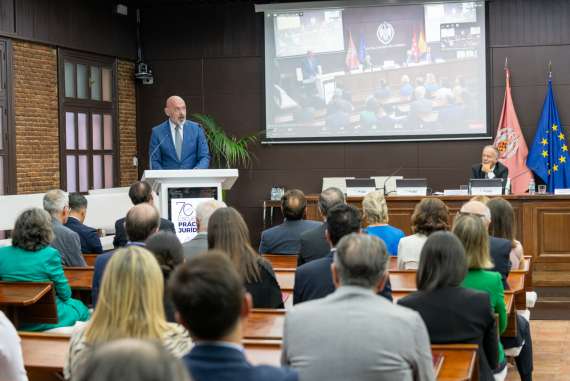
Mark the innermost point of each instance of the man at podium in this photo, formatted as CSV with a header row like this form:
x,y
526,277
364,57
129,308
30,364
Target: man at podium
x,y
178,143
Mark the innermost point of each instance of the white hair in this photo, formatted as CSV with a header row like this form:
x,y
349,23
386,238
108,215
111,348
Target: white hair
x,y
205,209
55,201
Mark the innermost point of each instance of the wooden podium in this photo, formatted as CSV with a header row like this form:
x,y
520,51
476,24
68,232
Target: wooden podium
x,y
180,192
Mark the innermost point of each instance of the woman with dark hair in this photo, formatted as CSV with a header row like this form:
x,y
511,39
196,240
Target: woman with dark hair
x,y
503,225
31,259
453,314
167,249
228,232
430,215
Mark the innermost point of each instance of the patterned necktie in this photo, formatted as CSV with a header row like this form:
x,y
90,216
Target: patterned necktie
x,y
178,141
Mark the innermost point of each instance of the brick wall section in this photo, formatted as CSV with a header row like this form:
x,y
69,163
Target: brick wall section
x,y
127,121
36,109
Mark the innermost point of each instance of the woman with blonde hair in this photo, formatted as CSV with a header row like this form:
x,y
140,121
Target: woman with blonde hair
x,y
228,232
430,215
375,215
130,306
472,233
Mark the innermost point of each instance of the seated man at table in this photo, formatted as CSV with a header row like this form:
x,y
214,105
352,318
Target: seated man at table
x,y
66,241
490,167
353,334
212,304
314,244
90,242
140,192
313,280
285,238
141,222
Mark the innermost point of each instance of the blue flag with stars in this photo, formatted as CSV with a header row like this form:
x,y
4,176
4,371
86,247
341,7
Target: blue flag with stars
x,y
548,157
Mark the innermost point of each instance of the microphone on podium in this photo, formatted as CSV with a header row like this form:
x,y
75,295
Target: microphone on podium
x,y
154,151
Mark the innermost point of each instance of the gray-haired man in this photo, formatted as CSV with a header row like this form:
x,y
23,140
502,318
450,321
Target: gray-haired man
x,y
66,241
353,334
199,243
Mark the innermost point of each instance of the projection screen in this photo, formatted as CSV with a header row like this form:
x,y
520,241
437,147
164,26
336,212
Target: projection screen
x,y
350,71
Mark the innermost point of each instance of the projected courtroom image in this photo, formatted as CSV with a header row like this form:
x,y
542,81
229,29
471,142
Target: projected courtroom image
x,y
382,71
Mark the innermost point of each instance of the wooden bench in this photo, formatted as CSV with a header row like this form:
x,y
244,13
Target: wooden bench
x,y
286,279
90,259
44,355
282,261
28,302
266,324
80,280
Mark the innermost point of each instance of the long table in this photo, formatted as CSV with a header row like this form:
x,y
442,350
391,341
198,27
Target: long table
x,y
44,356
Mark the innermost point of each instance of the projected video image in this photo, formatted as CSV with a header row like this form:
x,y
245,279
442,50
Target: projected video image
x,y
382,72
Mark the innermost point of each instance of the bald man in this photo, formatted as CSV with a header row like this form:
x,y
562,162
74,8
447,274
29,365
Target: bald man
x,y
178,143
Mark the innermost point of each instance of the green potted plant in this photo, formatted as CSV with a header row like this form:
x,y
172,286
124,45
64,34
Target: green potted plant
x,y
226,151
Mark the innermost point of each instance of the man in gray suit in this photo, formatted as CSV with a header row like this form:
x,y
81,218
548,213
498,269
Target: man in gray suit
x,y
66,241
353,334
199,243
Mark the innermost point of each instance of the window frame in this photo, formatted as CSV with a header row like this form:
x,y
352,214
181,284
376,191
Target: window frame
x,y
89,107
8,118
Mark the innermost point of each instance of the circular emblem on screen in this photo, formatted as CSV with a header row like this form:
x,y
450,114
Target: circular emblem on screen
x,y
186,211
385,33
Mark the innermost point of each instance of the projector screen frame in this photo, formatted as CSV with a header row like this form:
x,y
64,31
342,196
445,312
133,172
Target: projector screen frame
x,y
341,4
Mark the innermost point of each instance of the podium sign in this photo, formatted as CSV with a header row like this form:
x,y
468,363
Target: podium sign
x,y
411,187
181,191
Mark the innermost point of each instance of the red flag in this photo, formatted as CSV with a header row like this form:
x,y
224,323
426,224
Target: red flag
x,y
511,144
351,60
414,49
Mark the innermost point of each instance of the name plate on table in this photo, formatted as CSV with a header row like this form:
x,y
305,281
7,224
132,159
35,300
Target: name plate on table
x,y
411,187
359,187
486,187
456,192
562,191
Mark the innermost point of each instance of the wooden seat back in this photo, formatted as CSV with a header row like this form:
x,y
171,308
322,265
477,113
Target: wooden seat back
x,y
28,302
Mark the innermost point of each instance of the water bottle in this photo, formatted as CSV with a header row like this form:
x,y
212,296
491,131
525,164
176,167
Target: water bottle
x,y
508,186
531,187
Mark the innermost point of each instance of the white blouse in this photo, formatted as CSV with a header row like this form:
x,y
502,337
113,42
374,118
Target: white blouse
x,y
11,360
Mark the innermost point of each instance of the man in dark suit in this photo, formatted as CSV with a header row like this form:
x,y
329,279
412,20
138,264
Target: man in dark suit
x,y
141,222
285,238
140,192
178,143
499,248
212,304
90,242
490,167
313,280
314,244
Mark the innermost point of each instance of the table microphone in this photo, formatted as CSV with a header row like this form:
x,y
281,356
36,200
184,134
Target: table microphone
x,y
154,151
388,178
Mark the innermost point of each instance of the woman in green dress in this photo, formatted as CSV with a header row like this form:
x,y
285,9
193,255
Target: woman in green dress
x,y
31,259
473,235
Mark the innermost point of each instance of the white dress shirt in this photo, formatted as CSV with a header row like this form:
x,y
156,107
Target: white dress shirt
x,y
173,131
11,360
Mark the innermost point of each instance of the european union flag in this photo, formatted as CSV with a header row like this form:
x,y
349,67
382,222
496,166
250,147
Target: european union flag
x,y
548,157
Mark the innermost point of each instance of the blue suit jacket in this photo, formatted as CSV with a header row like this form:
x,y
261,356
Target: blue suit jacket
x,y
195,152
285,238
90,242
313,280
100,264
212,362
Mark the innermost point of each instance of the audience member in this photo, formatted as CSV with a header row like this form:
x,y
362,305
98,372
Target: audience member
x,y
352,334
314,280
503,225
406,88
135,312
368,115
228,232
285,238
11,360
168,252
500,248
314,244
472,233
430,215
132,360
31,259
141,222
212,304
139,193
90,242
453,314
199,243
375,215
66,241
